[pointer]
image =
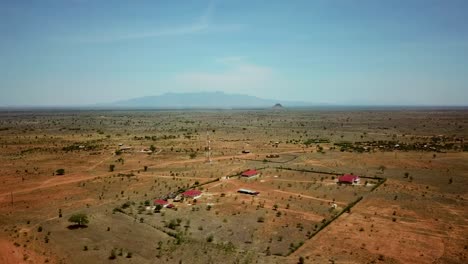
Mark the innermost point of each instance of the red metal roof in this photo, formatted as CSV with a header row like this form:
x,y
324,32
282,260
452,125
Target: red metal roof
x,y
192,193
160,201
249,173
348,178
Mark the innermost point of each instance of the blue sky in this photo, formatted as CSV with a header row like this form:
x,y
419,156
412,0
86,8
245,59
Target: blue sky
x,y
74,52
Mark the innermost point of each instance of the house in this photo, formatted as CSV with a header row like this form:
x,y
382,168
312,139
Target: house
x,y
348,179
161,202
179,198
194,194
250,173
125,149
245,191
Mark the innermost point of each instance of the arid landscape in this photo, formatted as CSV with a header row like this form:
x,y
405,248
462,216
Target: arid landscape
x,y
134,175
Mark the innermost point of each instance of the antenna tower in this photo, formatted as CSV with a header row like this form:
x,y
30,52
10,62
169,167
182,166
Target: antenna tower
x,y
208,150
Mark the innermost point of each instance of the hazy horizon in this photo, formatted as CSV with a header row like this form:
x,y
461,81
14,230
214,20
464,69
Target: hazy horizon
x,y
82,53
124,104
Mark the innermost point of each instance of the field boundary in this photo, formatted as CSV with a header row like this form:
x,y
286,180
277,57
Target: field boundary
x,y
272,161
381,180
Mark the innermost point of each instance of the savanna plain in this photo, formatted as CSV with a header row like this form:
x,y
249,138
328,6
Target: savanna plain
x,y
118,186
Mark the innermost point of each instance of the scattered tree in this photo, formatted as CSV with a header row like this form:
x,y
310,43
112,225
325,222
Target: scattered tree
x,y
158,208
79,219
112,254
301,260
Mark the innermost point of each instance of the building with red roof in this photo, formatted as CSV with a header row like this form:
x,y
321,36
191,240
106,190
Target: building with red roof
x,y
164,203
250,173
192,194
348,179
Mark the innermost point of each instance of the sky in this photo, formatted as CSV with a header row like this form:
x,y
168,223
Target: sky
x,y
82,52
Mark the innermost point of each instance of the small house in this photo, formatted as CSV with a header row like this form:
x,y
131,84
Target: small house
x,y
245,191
194,194
250,173
348,179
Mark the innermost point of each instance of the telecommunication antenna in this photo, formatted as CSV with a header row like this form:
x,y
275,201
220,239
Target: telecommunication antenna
x,y
208,150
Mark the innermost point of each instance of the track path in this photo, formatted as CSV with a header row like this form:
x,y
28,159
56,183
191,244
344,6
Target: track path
x,y
78,177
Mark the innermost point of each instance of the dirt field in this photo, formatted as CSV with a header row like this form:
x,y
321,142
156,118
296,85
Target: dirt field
x,y
410,205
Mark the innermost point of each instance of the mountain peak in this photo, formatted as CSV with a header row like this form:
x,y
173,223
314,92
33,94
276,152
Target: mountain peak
x,y
278,106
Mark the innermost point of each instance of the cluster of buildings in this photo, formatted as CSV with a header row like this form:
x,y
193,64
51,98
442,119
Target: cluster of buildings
x,y
251,173
189,194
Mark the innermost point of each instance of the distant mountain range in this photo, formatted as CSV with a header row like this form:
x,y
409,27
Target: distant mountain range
x,y
204,100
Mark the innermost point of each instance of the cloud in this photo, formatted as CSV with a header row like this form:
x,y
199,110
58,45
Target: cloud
x,y
203,24
239,76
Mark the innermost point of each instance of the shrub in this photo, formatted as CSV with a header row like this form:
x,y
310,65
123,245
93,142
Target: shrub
x,y
301,260
112,254
60,172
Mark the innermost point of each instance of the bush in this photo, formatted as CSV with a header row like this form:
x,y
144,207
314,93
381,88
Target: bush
x,y
158,208
301,260
152,148
60,172
112,254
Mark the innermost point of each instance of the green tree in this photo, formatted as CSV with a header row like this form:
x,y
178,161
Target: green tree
x,y
111,167
301,260
60,172
152,148
112,254
158,208
79,219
